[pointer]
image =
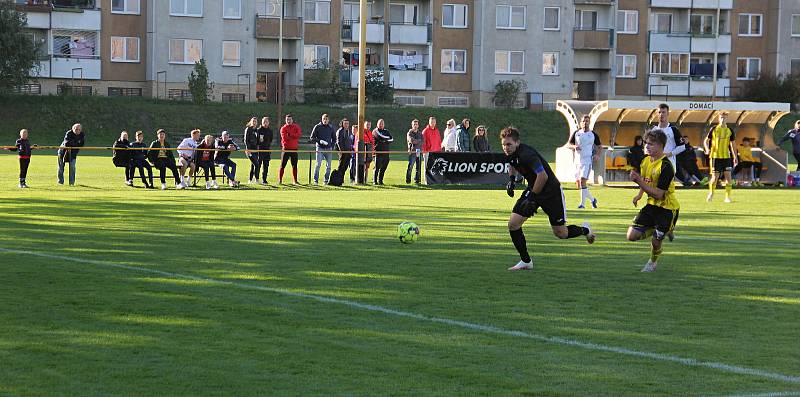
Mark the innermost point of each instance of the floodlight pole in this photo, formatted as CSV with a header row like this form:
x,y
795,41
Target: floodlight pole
x,y
280,66
716,52
362,70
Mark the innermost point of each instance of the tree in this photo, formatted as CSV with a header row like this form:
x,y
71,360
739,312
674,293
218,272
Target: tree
x,y
768,87
506,92
20,52
324,83
199,86
377,89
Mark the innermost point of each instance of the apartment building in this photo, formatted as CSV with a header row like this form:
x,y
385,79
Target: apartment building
x,y
433,52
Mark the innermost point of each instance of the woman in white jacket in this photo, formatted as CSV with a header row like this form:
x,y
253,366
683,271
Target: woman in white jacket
x,y
450,141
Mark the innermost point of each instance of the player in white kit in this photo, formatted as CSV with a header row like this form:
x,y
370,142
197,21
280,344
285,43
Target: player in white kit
x,y
586,145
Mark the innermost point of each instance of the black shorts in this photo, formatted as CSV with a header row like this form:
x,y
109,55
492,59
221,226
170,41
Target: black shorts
x,y
552,205
722,165
652,216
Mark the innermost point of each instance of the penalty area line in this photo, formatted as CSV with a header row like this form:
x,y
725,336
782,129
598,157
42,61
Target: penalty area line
x,y
490,329
773,394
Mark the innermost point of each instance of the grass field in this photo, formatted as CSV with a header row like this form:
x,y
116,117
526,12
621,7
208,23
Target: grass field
x,y
110,290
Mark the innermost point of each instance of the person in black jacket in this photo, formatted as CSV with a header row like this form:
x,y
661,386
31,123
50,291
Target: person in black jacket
x,y
139,160
251,143
344,144
162,157
204,157
480,143
121,156
23,148
265,137
323,135
382,140
688,172
223,157
74,138
635,153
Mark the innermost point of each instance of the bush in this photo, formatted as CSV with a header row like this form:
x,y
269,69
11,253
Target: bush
x,y
506,92
324,84
199,85
377,89
769,87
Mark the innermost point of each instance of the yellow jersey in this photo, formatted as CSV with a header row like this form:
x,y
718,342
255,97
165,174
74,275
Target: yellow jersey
x,y
746,154
720,138
659,173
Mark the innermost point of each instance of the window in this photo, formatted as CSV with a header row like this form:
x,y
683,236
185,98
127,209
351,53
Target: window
x,y
669,63
663,23
403,14
232,97
185,51
186,8
315,56
232,9
409,100
125,6
230,53
795,25
626,66
454,61
510,17
701,24
179,94
509,62
75,44
453,101
82,90
317,11
552,18
270,8
124,49
748,68
454,16
29,89
749,24
550,63
628,21
795,67
585,20
350,12
122,91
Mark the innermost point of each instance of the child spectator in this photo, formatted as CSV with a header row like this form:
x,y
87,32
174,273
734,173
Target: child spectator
x,y
23,148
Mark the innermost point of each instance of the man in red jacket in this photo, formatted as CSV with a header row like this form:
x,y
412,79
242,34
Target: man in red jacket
x,y
290,136
431,138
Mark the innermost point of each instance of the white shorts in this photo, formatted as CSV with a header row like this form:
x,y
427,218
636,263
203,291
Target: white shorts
x,y
582,170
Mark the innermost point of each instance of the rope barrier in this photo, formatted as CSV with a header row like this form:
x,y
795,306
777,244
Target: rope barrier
x,y
208,150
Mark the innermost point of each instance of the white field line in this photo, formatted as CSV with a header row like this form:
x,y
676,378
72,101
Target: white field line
x,y
679,237
690,362
774,394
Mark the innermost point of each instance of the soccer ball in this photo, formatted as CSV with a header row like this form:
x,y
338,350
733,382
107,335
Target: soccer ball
x,y
408,232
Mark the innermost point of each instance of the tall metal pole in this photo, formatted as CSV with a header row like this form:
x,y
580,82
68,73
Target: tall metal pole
x,y
386,27
716,52
280,67
362,68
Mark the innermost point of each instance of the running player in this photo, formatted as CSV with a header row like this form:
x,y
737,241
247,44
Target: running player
x,y
586,144
543,191
719,148
656,178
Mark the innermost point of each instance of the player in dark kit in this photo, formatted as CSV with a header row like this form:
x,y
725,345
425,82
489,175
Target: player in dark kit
x,y
543,191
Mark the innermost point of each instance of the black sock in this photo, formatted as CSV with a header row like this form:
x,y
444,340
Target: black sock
x,y
576,231
518,238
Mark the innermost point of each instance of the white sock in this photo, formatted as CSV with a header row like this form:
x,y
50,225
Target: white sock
x,y
588,194
583,196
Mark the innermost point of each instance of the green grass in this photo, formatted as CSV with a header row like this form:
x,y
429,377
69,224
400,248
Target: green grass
x,y
726,291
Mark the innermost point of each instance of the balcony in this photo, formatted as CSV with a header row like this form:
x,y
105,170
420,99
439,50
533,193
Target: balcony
x,y
600,39
708,4
686,86
708,43
594,2
409,34
352,32
591,61
67,68
669,42
712,4
416,79
269,27
75,19
33,5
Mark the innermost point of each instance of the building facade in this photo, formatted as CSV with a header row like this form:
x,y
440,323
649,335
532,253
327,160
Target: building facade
x,y
433,52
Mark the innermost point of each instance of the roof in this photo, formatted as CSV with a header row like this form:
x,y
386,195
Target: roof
x,y
617,112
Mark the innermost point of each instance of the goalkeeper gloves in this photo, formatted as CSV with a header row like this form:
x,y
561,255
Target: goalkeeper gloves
x,y
510,186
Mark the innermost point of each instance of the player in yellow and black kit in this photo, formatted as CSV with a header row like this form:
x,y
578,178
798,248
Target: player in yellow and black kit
x,y
719,148
656,178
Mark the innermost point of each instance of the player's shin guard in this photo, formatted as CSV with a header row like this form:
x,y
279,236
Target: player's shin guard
x,y
728,188
576,231
655,253
518,238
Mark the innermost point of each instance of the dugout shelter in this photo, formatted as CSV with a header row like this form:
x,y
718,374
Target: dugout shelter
x,y
618,123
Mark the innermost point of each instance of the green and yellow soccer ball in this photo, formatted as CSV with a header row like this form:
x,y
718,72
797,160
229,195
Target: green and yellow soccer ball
x,y
408,232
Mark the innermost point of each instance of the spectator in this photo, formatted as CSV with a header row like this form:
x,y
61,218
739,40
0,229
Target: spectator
x,y
747,160
794,136
687,169
139,160
367,148
162,157
225,146
480,143
356,162
635,153
205,161
414,142
431,138
462,136
121,156
450,141
290,137
344,144
74,138
23,148
251,143
323,137
383,139
265,137
187,156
